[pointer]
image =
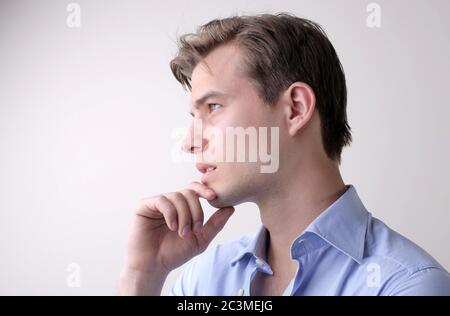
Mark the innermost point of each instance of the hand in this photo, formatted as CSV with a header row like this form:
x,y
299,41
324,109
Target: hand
x,y
168,230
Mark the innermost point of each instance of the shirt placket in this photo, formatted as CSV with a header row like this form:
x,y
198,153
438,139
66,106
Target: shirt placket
x,y
255,265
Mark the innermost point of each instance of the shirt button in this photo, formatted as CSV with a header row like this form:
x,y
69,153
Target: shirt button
x,y
240,292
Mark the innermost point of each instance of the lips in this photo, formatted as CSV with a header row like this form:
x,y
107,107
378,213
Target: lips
x,y
206,169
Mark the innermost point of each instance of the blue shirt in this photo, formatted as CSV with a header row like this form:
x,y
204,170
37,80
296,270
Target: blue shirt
x,y
344,251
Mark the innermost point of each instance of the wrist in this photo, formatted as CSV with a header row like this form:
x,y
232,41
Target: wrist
x,y
138,282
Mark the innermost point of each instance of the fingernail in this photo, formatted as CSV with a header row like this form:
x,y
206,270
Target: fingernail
x,y
174,225
198,226
186,230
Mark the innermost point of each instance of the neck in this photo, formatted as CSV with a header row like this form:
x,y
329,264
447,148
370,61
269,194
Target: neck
x,y
291,206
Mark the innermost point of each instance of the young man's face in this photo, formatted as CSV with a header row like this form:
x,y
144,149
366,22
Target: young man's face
x,y
237,106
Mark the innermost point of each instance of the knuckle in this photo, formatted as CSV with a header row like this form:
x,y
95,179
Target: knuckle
x,y
159,200
162,204
193,184
189,193
143,202
175,195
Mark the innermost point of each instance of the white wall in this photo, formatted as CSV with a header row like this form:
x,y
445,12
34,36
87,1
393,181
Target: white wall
x,y
86,116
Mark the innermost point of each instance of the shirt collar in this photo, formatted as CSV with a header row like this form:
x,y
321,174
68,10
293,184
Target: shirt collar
x,y
343,225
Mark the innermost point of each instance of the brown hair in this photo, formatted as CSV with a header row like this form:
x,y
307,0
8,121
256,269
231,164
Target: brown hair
x,y
279,49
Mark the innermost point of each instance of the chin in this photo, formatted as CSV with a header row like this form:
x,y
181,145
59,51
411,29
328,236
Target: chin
x,y
228,197
218,203
233,187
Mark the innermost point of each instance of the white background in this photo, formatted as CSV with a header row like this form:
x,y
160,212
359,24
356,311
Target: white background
x,y
86,116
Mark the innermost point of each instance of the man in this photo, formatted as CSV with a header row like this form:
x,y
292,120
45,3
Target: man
x,y
317,237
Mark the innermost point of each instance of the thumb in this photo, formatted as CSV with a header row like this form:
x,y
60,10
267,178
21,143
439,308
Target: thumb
x,y
215,224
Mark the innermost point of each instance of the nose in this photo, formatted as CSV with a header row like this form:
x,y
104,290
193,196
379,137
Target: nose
x,y
193,141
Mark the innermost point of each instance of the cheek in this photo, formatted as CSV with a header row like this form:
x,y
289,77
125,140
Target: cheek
x,y
237,115
245,120
217,132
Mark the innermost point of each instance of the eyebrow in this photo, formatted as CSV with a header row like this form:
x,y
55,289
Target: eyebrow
x,y
206,96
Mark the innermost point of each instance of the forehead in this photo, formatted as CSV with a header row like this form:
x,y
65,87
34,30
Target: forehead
x,y
220,71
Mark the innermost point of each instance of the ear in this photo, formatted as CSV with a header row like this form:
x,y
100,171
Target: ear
x,y
300,103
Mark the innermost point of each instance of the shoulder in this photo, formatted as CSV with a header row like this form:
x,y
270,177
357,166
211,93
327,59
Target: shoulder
x,y
405,267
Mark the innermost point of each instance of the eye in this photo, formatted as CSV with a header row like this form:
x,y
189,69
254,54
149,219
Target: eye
x,y
214,106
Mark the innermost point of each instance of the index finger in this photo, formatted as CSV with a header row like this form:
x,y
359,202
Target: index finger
x,y
202,190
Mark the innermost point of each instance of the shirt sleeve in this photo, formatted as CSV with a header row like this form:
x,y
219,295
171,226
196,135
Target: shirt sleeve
x,y
425,282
